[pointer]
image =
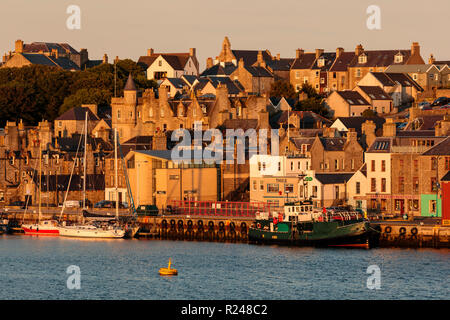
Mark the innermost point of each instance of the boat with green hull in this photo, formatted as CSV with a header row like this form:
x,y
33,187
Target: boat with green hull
x,y
300,225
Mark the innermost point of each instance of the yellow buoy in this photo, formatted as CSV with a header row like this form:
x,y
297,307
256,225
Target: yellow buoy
x,y
168,271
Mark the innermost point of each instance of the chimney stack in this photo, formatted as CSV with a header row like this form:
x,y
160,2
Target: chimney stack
x,y
192,52
359,49
19,46
319,52
278,56
241,63
209,63
105,58
299,53
260,59
55,53
415,49
352,135
339,51
149,52
431,60
389,128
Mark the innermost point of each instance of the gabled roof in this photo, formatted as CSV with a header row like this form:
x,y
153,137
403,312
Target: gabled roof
x,y
342,62
78,114
219,70
375,92
381,145
176,60
410,68
392,79
446,177
356,122
329,58
333,178
258,71
189,79
283,64
176,82
353,98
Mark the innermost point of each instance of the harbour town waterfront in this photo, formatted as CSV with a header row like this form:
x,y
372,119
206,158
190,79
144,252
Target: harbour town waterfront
x,y
35,268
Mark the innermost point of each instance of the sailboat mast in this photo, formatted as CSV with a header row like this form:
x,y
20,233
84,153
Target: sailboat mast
x,y
84,162
115,169
40,180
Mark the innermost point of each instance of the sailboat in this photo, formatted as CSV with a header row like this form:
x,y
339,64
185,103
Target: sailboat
x,y
94,229
42,227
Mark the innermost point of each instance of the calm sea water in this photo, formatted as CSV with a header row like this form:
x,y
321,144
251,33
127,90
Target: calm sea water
x,y
35,268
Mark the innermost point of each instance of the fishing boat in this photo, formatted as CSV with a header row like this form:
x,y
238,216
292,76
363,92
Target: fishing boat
x,y
303,226
42,227
106,228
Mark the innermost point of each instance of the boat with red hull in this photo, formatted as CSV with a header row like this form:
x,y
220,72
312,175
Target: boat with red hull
x,y
43,228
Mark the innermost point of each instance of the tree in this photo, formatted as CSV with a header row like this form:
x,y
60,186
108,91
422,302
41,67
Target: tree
x,y
86,96
310,91
281,88
369,113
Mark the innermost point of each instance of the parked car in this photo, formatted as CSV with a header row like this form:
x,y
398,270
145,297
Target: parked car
x,y
72,204
440,101
104,204
424,104
447,106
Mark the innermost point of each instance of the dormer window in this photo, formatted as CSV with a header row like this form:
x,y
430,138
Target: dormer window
x,y
362,58
321,62
398,58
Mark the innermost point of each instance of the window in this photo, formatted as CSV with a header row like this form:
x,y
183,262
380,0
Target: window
x,y
292,165
336,192
383,184
289,188
336,164
401,163
118,114
373,185
305,79
279,166
272,187
59,124
398,58
416,165
259,166
373,165
401,184
255,185
383,165
314,192
399,204
261,186
334,75
433,163
433,184
415,184
353,164
358,187
150,112
160,63
358,73
297,74
383,204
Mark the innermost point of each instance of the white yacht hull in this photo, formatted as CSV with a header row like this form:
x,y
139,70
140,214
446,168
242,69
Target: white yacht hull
x,y
90,232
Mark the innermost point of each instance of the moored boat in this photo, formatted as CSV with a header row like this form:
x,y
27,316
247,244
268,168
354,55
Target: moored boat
x,y
301,225
44,228
91,231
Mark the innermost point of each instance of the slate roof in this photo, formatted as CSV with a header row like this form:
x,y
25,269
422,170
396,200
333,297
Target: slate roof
x,y
329,58
333,144
70,144
408,68
380,58
219,70
243,124
391,79
284,64
79,114
375,92
250,56
177,82
442,148
381,145
258,71
425,122
299,141
446,177
36,47
176,60
342,62
130,86
356,122
353,98
306,61
190,79
333,178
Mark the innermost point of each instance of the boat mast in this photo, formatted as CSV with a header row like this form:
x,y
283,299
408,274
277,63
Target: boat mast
x,y
115,169
40,180
84,162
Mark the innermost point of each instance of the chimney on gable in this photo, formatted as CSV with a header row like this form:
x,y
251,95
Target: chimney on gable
x,y
415,49
319,52
209,63
299,53
278,56
431,60
352,135
192,52
5,58
241,63
368,132
339,51
55,53
359,49
149,52
105,58
260,59
19,46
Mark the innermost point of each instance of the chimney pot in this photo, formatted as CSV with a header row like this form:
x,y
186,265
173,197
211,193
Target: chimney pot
x,y
149,52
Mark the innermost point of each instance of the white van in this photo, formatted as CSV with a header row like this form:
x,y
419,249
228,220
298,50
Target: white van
x,y
72,204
